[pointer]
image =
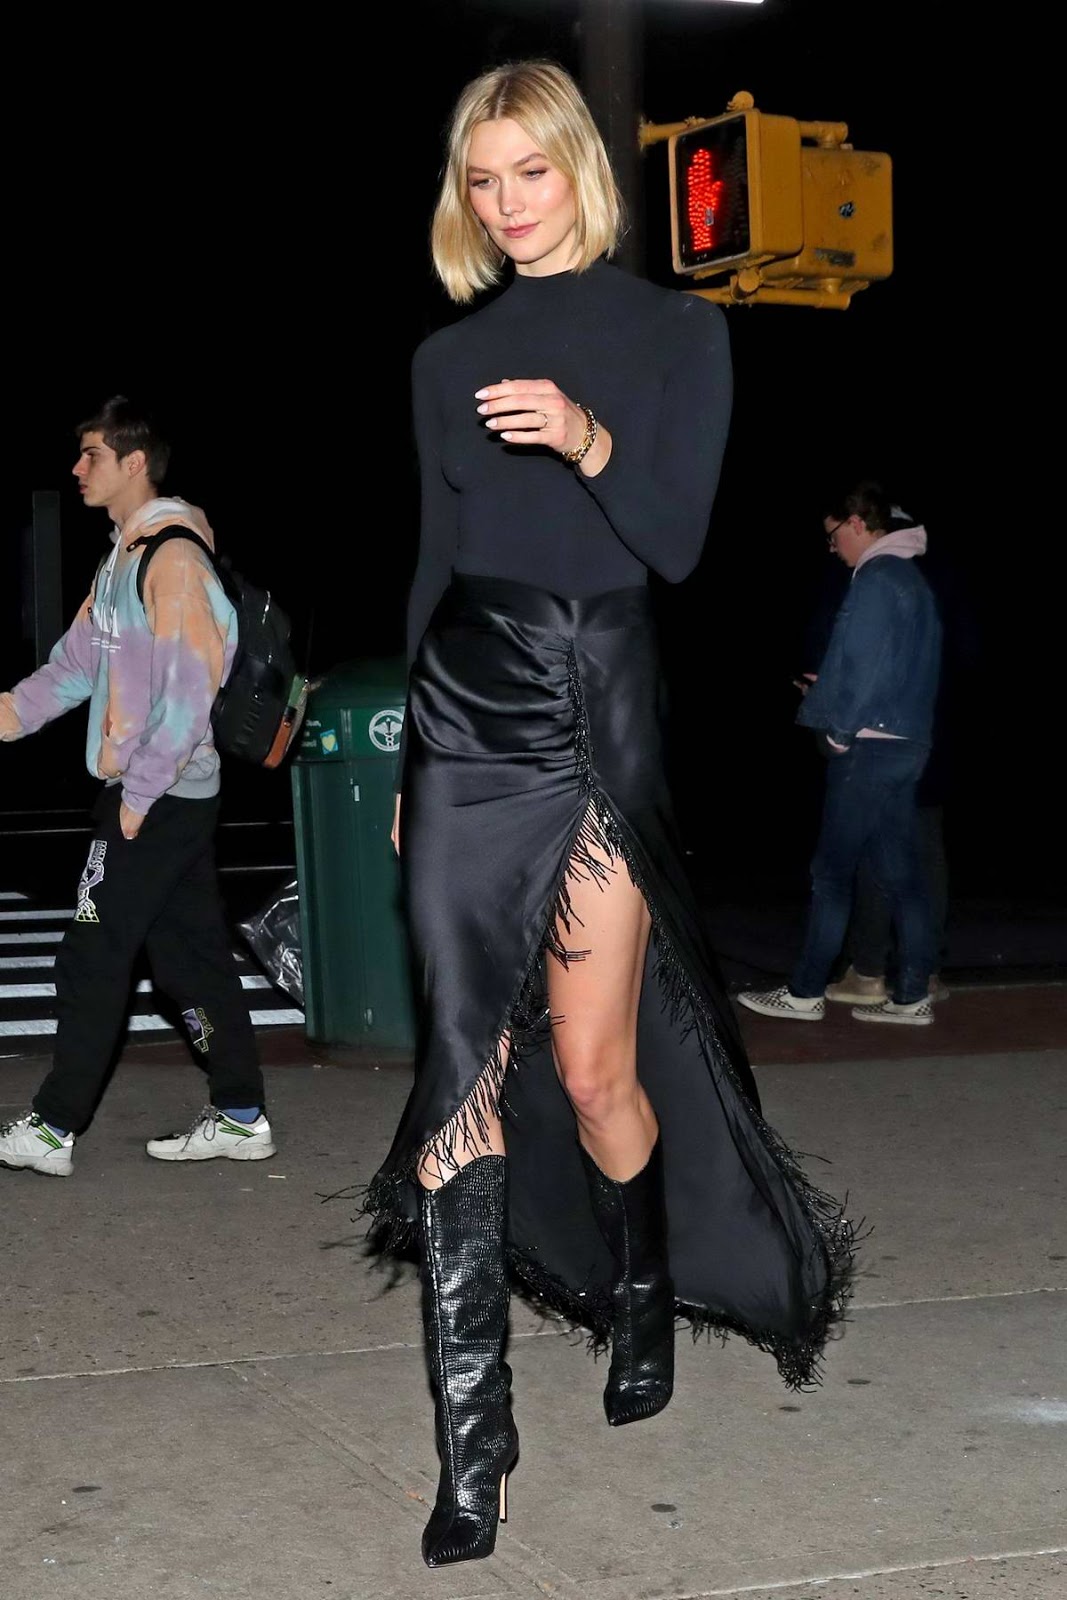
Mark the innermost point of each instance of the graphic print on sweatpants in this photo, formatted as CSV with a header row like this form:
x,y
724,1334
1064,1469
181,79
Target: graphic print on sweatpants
x,y
200,1029
93,874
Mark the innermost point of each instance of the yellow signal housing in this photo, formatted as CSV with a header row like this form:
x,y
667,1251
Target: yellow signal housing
x,y
848,217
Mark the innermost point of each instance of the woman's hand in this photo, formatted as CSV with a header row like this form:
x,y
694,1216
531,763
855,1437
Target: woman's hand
x,y
394,833
536,411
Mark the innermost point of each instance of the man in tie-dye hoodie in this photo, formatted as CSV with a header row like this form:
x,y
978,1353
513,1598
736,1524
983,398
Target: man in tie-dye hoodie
x,y
150,671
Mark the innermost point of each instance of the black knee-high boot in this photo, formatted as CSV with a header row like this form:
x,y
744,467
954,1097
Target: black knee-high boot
x,y
465,1313
632,1216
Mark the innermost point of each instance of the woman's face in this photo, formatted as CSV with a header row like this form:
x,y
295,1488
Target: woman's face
x,y
523,202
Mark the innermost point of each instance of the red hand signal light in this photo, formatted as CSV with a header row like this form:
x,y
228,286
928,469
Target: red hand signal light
x,y
710,188
704,194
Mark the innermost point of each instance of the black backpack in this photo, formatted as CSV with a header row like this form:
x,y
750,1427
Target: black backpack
x,y
258,711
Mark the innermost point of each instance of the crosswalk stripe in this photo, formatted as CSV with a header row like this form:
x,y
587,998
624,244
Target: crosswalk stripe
x,y
33,1026
36,916
36,991
54,938
248,981
12,894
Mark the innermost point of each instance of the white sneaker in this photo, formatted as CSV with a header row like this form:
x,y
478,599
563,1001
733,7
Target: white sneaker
x,y
214,1134
780,1003
919,1014
856,990
29,1142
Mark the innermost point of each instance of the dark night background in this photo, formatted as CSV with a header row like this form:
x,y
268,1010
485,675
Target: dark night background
x,y
236,231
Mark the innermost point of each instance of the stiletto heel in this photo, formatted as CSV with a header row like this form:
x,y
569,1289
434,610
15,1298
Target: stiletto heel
x,y
632,1216
465,1312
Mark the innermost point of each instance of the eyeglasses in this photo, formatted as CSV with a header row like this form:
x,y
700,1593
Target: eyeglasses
x,y
831,531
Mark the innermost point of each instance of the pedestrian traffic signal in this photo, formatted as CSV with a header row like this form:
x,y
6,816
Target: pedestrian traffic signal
x,y
790,211
735,192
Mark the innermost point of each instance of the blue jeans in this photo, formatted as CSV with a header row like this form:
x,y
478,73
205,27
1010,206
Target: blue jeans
x,y
870,945
869,805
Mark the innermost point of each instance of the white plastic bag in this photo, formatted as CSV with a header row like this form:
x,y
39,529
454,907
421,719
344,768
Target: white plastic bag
x,y
273,935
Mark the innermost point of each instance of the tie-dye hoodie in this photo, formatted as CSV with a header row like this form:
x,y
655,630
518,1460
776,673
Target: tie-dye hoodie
x,y
150,672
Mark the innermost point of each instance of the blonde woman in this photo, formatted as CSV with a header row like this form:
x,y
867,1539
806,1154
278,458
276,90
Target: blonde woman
x,y
583,1120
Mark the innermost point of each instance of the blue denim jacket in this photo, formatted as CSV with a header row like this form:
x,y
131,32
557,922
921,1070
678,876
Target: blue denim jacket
x,y
883,661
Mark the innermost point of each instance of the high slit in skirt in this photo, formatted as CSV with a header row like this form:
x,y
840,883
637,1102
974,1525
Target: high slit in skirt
x,y
534,747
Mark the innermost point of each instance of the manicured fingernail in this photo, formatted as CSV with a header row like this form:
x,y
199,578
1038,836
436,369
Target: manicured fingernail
x,y
492,423
480,394
483,408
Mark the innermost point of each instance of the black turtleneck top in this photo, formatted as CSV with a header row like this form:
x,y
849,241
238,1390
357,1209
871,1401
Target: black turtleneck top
x,y
653,365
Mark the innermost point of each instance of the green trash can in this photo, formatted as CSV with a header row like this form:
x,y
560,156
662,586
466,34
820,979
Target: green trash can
x,y
357,985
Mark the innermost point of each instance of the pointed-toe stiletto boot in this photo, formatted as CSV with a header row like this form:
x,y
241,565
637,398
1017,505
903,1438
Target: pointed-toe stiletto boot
x,y
632,1216
465,1313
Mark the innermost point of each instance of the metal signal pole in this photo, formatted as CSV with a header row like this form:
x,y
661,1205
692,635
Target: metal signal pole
x,y
612,37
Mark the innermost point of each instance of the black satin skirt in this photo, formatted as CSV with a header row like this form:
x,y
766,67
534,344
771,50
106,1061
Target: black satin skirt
x,y
533,746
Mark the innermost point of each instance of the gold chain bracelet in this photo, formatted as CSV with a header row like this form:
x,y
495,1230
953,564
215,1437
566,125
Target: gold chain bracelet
x,y
575,456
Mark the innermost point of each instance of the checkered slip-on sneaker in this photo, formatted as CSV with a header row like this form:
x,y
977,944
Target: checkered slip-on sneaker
x,y
918,1015
780,1003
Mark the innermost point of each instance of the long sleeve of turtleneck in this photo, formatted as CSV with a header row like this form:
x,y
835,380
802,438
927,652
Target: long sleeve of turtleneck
x,y
657,487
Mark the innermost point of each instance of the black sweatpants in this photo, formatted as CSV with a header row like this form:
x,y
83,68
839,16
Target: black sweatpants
x,y
158,891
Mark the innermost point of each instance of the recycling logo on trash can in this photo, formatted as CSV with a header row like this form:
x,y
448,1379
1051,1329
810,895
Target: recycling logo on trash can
x,y
384,729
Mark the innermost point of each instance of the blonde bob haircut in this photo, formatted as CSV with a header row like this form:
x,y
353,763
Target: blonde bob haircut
x,y
547,103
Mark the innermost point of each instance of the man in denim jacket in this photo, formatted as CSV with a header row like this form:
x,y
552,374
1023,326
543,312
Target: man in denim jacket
x,y
873,701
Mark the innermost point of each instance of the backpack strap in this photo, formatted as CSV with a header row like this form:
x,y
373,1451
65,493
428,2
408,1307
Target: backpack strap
x,y
152,541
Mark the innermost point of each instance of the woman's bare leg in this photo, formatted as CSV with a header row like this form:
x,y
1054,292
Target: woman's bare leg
x,y
594,1002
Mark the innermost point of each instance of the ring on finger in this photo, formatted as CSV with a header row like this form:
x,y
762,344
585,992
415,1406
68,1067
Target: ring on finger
x,y
544,420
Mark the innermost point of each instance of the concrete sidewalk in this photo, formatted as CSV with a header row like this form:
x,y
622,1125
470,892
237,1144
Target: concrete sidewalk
x,y
204,1392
